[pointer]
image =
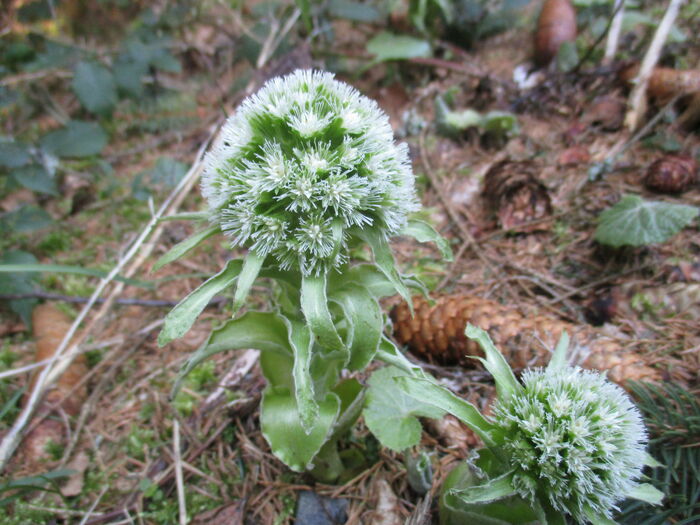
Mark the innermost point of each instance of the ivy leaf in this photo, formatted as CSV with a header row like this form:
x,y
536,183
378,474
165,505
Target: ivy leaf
x,y
77,139
388,46
392,415
636,222
95,87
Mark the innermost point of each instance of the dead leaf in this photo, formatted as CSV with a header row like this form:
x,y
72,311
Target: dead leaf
x,y
387,508
74,485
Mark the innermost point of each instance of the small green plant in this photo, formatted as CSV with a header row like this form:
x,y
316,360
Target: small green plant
x,y
636,222
304,174
563,444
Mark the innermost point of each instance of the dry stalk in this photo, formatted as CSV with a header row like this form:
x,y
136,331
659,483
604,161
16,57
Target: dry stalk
x,y
614,33
638,101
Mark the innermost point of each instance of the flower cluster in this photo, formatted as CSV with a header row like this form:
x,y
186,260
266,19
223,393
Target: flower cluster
x,y
573,438
304,165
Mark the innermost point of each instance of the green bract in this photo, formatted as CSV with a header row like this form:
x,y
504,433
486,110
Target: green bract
x,y
564,442
302,166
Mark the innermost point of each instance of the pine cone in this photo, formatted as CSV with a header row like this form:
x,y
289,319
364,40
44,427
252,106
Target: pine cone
x,y
672,174
436,333
514,192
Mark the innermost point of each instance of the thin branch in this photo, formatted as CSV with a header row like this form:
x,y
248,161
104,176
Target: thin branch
x,y
637,101
129,301
614,32
178,473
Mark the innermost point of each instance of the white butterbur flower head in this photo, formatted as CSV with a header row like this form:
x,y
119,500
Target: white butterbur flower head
x,y
302,167
574,439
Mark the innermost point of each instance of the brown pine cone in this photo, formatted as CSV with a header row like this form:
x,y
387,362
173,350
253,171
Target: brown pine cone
x,y
436,333
672,174
515,193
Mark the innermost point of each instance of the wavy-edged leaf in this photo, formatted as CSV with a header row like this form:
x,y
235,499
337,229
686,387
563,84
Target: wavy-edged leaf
x,y
185,246
389,353
301,343
424,232
281,425
385,261
506,383
365,324
391,414
181,318
314,305
636,222
266,332
432,394
491,491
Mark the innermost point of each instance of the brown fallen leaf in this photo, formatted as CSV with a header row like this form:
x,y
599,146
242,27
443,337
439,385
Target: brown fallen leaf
x,y
228,514
387,508
50,326
556,25
74,485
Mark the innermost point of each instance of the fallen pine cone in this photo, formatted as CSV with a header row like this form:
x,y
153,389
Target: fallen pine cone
x,y
555,25
672,174
665,82
436,333
512,189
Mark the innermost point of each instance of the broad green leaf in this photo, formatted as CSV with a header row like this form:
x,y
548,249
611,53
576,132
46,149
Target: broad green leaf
x,y
427,392
289,440
388,353
35,177
181,318
385,261
506,383
266,332
14,154
391,415
251,268
424,232
636,222
168,172
185,246
388,46
25,219
301,343
597,519
314,305
94,86
491,491
365,324
352,395
77,139
647,493
61,268
277,367
128,75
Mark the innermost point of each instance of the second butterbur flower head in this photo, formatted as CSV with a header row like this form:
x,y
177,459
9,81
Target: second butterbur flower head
x,y
302,167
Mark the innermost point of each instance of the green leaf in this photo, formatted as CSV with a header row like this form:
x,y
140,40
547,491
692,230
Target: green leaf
x,y
14,154
168,172
35,177
266,332
305,8
25,219
424,232
500,123
427,392
95,87
392,415
18,283
61,268
128,75
251,268
77,139
650,461
597,519
388,46
647,493
491,491
558,360
567,57
636,222
182,317
365,324
289,440
315,307
385,261
506,383
301,343
185,246
354,11
388,353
